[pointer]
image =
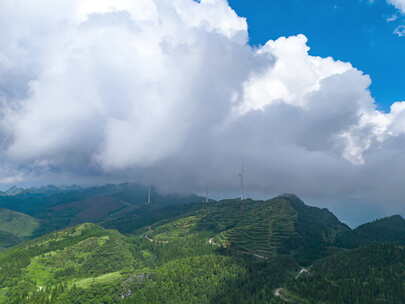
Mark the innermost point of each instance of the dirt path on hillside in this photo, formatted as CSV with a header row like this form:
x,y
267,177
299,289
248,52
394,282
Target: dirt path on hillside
x,y
147,237
278,293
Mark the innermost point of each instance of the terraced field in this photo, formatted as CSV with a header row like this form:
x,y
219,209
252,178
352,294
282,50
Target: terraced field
x,y
172,231
258,228
264,229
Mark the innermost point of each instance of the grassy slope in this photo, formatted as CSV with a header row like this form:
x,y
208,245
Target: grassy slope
x,y
76,256
16,223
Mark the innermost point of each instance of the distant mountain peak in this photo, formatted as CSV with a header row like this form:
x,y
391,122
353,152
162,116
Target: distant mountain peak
x,y
388,229
284,225
393,219
291,197
14,190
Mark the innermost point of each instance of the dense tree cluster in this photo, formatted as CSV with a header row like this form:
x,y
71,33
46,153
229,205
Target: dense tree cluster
x,y
372,274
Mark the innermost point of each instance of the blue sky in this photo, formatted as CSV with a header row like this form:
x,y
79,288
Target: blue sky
x,y
355,31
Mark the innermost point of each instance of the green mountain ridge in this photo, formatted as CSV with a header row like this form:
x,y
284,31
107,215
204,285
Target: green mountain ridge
x,y
60,207
15,227
280,226
390,229
19,224
231,251
385,230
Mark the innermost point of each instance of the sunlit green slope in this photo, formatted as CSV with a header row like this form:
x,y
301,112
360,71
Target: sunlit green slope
x,y
81,256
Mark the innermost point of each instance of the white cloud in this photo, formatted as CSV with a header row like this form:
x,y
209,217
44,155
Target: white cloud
x,y
11,179
400,31
399,4
170,92
392,18
294,76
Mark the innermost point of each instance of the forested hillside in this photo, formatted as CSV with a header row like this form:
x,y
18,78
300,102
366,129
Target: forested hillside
x,y
15,227
79,257
231,251
116,206
389,229
386,230
19,224
87,264
372,274
281,226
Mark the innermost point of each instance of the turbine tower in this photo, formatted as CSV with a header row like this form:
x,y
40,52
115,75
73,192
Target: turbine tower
x,y
206,195
242,182
149,194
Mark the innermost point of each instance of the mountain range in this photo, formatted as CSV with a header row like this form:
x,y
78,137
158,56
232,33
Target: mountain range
x,y
106,245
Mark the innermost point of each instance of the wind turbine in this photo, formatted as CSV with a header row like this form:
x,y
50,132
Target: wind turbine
x,y
149,195
242,182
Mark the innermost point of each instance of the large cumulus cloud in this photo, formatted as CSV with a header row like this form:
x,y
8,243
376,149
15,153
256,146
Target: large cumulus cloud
x,y
170,92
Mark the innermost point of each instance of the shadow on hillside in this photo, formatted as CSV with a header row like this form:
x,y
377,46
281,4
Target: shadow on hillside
x,y
259,282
